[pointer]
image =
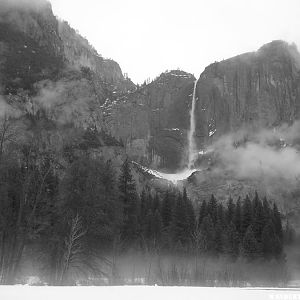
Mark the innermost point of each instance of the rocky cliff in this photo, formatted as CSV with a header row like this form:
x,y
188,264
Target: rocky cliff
x,y
30,46
260,89
153,121
79,53
35,46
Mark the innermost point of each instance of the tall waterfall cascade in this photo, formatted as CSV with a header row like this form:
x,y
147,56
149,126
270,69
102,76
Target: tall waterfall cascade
x,y
191,134
192,151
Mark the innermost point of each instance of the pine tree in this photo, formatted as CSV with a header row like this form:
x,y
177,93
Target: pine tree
x,y
212,208
246,215
207,232
258,220
166,210
191,217
289,233
155,203
157,227
219,229
250,247
266,210
230,211
149,202
128,197
232,241
184,195
221,215
238,217
149,228
276,217
153,229
268,240
278,249
219,240
202,213
180,222
143,209
143,213
255,203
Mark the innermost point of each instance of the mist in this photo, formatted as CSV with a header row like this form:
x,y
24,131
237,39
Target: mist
x,y
271,153
7,110
49,93
5,4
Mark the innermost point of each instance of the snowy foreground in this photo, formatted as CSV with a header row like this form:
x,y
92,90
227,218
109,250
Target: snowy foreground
x,y
144,292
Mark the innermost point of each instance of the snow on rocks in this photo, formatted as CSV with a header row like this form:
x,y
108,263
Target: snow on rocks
x,y
212,132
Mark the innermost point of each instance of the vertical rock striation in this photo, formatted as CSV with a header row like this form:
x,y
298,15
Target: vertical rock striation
x,y
260,89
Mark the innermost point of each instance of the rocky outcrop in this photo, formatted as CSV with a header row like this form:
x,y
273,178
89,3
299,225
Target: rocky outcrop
x,y
79,53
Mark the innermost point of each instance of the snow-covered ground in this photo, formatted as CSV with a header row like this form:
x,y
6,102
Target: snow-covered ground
x,y
173,177
144,292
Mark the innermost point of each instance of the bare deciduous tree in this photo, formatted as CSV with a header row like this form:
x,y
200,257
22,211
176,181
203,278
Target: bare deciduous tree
x,y
73,247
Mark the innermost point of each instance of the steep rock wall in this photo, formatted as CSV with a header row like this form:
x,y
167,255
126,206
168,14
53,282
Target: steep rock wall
x,y
260,89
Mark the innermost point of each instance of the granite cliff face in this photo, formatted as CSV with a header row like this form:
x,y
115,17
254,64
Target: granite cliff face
x,y
30,46
261,89
35,46
79,53
152,121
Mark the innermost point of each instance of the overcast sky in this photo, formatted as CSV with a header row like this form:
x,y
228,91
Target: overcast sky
x,y
148,37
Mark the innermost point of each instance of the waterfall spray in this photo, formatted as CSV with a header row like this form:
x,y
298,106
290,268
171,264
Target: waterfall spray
x,y
191,134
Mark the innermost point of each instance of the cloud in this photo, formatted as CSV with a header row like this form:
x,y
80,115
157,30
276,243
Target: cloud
x,y
10,10
32,4
269,153
49,93
66,100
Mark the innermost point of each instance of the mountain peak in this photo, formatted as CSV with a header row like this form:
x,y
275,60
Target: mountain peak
x,y
276,45
279,49
174,74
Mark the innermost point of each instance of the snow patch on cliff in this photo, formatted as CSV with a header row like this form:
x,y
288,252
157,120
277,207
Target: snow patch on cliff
x,y
172,177
212,132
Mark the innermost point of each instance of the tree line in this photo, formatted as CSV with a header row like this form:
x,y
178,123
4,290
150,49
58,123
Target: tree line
x,y
170,222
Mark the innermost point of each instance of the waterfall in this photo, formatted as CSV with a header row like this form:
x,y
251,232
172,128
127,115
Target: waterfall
x,y
192,151
191,138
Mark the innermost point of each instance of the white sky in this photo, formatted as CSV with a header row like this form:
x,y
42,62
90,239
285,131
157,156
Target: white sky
x,y
148,37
